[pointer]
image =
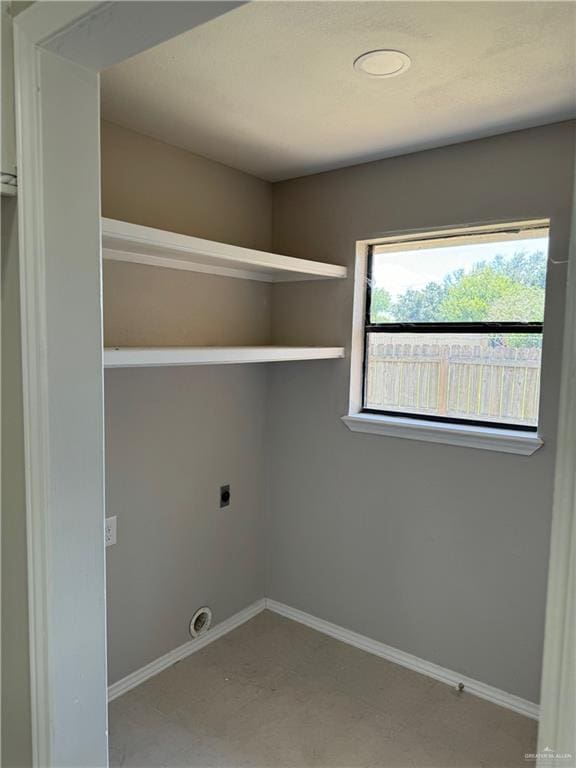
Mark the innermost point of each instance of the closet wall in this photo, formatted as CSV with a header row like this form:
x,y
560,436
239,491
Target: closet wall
x,y
438,551
175,435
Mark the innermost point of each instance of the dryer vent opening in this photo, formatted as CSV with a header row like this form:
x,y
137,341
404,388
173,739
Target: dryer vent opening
x,y
200,622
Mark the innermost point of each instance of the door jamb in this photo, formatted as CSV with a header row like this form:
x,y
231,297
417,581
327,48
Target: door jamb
x,y
59,50
557,728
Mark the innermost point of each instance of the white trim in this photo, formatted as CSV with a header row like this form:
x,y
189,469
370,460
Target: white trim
x,y
155,667
116,31
136,243
476,688
485,233
63,456
138,357
558,723
356,393
43,22
468,436
35,385
448,676
504,229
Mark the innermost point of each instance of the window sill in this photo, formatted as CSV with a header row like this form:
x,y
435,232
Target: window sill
x,y
485,438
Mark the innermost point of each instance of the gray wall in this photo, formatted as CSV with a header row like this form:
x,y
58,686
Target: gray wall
x,y
436,550
145,181
16,733
154,307
173,436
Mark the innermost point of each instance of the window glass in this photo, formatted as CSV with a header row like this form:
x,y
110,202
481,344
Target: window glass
x,y
484,377
475,282
454,328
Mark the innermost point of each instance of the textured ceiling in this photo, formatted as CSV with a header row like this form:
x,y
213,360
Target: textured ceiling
x,y
269,88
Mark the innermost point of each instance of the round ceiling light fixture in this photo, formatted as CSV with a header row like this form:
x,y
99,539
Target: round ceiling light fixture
x,y
382,63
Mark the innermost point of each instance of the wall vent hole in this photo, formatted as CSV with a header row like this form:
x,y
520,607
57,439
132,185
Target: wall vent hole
x,y
200,622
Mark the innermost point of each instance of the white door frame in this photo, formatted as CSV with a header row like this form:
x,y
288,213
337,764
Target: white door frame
x,y
63,433
557,729
60,48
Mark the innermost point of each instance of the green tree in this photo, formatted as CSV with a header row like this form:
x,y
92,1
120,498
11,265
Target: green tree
x,y
502,289
471,298
525,304
380,305
525,268
420,306
521,303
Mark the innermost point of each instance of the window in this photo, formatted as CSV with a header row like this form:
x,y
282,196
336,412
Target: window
x,y
453,326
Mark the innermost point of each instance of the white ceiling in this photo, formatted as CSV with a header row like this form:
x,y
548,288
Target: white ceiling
x,y
269,88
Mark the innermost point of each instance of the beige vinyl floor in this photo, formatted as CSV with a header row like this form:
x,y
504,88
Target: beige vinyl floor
x,y
275,693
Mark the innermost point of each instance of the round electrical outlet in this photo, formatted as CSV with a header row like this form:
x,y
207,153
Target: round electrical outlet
x,y
200,622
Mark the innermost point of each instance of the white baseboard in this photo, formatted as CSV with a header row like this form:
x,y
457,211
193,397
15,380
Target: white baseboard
x,y
140,675
476,688
483,691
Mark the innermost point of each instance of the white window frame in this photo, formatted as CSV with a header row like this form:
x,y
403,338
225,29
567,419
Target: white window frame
x,y
463,435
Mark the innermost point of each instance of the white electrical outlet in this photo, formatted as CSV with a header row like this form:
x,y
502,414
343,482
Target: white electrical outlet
x,y
110,531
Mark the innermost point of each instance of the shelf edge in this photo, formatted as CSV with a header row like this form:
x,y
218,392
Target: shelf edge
x,y
136,357
124,241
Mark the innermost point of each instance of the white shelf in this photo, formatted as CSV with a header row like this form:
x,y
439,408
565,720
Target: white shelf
x,y
138,357
122,241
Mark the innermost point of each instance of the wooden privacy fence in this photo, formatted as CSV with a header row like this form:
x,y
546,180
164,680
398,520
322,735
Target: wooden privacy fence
x,y
455,380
